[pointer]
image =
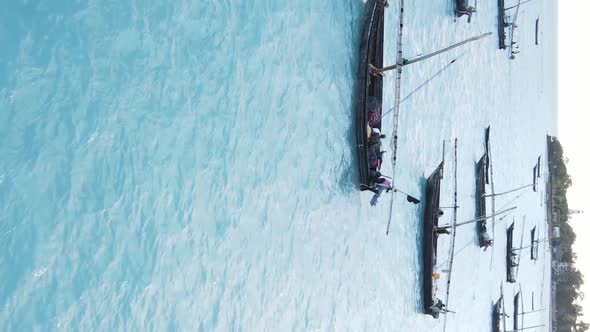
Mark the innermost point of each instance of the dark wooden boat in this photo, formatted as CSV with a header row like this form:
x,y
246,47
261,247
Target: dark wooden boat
x,y
370,88
497,315
482,179
462,7
510,256
480,200
537,32
429,247
516,310
501,25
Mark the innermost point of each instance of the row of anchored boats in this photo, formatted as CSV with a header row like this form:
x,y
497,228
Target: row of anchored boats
x,y
369,114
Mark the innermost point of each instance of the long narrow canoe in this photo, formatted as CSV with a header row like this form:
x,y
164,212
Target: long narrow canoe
x,y
501,25
497,315
516,311
480,200
510,259
429,249
370,88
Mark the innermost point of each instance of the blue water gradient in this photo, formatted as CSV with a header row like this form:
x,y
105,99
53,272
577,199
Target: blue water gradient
x,y
192,165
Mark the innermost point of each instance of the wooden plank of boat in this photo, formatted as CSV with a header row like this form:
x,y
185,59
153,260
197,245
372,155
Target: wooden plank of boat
x,y
429,249
368,86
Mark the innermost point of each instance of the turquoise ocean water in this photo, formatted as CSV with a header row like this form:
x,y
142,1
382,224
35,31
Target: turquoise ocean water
x,y
191,165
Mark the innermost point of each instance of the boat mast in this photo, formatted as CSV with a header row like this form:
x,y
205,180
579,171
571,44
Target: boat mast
x,y
453,235
405,62
480,218
509,191
398,78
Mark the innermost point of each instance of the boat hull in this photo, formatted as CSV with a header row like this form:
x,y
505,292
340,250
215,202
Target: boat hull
x,y
371,52
509,258
429,249
480,200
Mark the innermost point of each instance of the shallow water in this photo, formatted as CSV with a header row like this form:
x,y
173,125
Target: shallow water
x,y
192,165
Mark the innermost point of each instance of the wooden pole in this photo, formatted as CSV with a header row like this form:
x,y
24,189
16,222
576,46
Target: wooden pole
x,y
405,62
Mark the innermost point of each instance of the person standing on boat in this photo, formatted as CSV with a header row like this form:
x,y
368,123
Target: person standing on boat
x,y
381,185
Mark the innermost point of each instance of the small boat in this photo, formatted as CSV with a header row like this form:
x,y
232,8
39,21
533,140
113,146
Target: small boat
x,y
429,250
537,32
482,179
502,24
516,311
462,7
497,314
369,95
480,202
511,256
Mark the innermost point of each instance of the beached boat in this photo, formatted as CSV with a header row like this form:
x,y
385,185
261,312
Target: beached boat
x,y
502,24
482,179
497,314
429,249
462,7
516,311
480,201
369,93
511,256
537,32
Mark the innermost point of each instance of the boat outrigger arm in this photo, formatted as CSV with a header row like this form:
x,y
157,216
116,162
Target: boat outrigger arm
x,y
377,71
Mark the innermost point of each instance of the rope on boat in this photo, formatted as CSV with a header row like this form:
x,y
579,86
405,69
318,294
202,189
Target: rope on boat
x,y
398,77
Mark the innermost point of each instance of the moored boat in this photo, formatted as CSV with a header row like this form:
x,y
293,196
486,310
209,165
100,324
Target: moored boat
x,y
497,314
369,95
432,212
462,7
511,256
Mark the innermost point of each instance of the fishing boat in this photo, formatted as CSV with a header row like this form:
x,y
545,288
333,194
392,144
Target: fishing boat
x,y
462,7
429,250
502,25
516,311
511,259
480,202
369,94
537,31
497,314
482,179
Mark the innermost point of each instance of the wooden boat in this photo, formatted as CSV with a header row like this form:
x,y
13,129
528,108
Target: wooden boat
x,y
537,32
462,7
497,314
510,256
429,248
516,311
370,89
480,200
501,25
482,179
